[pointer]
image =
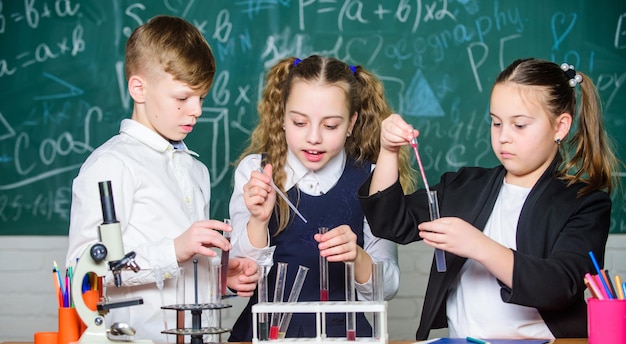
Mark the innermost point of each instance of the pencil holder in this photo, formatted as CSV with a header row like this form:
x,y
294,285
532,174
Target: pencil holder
x,y
606,321
46,337
69,325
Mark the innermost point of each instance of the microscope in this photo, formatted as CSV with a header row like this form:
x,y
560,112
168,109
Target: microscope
x,y
105,255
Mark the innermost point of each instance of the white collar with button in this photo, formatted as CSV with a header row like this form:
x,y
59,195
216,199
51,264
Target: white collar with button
x,y
314,183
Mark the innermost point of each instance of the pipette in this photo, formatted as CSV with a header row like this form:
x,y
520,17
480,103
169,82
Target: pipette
x,y
440,257
293,297
282,195
419,163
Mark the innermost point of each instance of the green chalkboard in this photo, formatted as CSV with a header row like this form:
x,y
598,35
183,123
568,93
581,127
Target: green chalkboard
x,y
63,91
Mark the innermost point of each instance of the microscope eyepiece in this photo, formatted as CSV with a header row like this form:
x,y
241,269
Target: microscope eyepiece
x,y
106,199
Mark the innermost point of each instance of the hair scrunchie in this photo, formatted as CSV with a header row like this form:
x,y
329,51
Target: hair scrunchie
x,y
574,78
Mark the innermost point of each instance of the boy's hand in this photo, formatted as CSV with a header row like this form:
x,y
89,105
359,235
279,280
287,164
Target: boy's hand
x,y
243,274
199,238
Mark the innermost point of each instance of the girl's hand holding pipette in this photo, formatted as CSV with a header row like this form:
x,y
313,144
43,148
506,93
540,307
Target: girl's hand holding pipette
x,y
395,133
259,196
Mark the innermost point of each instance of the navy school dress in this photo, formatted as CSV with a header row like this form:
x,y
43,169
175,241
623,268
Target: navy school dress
x,y
295,245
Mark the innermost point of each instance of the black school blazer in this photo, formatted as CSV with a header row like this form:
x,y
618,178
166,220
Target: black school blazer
x,y
555,232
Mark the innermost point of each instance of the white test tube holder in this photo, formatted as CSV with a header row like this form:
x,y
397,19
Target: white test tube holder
x,y
321,308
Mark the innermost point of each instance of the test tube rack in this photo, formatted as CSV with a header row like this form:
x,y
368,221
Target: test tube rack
x,y
321,308
196,332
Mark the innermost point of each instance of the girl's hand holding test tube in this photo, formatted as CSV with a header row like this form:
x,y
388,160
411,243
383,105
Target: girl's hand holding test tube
x,y
338,244
451,234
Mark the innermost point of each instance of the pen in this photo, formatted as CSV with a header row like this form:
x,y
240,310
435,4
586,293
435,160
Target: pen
x,y
600,275
618,286
58,272
593,287
609,281
476,340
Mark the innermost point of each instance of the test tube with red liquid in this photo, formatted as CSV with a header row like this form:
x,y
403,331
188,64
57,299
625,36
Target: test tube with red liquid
x,y
293,297
323,272
350,297
279,291
224,262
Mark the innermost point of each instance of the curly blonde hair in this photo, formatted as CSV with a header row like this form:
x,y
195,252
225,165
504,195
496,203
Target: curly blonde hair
x,y
366,97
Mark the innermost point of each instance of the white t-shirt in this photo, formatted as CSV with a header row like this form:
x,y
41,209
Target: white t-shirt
x,y
474,306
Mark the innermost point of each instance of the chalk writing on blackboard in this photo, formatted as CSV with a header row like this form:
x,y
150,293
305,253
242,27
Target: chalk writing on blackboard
x,y
63,88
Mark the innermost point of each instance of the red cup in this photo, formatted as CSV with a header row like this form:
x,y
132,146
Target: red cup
x,y
606,321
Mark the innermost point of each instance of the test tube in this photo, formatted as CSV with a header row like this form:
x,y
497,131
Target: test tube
x,y
225,261
350,297
160,281
378,286
323,271
215,277
196,314
279,290
180,300
433,207
262,298
214,318
293,297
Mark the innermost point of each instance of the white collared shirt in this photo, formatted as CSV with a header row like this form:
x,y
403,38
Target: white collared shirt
x,y
158,192
314,184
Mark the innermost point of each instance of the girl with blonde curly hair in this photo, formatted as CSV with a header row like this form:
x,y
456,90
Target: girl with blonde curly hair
x,y
317,139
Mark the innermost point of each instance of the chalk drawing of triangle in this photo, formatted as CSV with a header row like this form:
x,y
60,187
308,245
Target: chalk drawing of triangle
x,y
6,131
420,100
69,90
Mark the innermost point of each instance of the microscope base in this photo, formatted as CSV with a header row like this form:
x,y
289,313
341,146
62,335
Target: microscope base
x,y
102,338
